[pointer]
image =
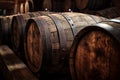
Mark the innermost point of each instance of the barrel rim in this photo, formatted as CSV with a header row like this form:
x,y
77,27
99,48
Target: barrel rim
x,y
108,29
32,68
15,18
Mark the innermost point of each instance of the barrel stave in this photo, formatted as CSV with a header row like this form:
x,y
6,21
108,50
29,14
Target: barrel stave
x,y
98,47
57,32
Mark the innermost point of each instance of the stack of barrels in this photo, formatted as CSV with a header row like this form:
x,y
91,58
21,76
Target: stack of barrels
x,y
16,6
72,45
27,6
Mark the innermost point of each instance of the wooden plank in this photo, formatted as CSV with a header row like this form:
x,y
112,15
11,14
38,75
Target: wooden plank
x,y
12,67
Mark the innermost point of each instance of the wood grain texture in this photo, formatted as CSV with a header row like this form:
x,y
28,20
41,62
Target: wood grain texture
x,y
5,24
18,28
48,40
12,67
95,52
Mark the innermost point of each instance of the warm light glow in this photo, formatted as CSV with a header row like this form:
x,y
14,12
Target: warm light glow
x,y
16,66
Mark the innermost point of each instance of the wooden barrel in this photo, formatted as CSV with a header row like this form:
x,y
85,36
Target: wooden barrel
x,y
11,67
47,40
22,10
26,6
95,52
5,30
17,6
114,12
18,27
29,6
92,4
110,13
7,6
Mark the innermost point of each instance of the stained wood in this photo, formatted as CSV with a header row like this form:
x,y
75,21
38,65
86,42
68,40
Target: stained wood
x,y
12,67
114,12
14,5
95,52
18,28
29,6
22,9
48,40
5,24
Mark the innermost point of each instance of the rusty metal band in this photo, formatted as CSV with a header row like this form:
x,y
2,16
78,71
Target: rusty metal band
x,y
70,21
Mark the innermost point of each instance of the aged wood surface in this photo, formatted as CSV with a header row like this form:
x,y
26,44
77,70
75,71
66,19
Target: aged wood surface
x,y
18,27
95,52
12,67
48,40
